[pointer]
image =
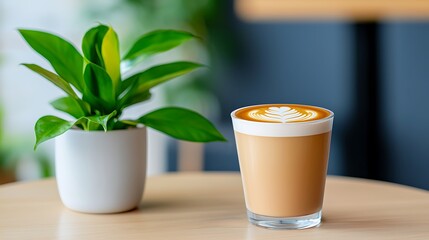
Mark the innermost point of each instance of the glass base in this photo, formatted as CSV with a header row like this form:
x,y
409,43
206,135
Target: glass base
x,y
302,222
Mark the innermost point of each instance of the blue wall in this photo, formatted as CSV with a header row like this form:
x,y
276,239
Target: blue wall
x,y
312,63
307,63
406,101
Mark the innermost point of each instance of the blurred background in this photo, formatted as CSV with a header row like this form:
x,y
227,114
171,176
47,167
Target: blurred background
x,y
371,70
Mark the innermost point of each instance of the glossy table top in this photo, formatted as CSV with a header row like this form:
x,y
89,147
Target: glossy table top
x,y
211,206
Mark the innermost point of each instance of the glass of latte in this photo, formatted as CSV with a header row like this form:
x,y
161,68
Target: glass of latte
x,y
283,151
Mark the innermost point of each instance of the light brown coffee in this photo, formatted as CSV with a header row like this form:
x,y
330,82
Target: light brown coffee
x,y
283,176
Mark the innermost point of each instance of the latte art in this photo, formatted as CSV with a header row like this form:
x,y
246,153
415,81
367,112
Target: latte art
x,y
282,113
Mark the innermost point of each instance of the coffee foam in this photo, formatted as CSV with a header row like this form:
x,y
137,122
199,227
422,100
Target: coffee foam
x,y
282,120
282,113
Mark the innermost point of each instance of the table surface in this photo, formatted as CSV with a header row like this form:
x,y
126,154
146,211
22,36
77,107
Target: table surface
x,y
211,206
356,10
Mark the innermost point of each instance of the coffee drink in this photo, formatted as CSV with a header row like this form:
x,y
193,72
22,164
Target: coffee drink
x,y
283,152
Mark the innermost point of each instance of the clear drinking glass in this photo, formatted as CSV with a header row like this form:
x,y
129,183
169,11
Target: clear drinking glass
x,y
283,163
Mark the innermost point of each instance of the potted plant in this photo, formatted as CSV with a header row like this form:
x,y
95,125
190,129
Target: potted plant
x,y
101,157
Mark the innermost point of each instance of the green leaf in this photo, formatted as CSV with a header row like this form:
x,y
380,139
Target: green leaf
x,y
99,84
53,78
111,58
134,99
91,44
48,127
157,42
97,105
75,107
102,120
62,55
92,122
142,82
124,124
182,124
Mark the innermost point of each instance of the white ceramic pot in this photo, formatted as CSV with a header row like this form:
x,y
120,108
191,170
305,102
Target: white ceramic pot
x,y
101,172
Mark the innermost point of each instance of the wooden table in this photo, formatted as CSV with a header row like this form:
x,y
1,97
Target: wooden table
x,y
357,10
211,206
